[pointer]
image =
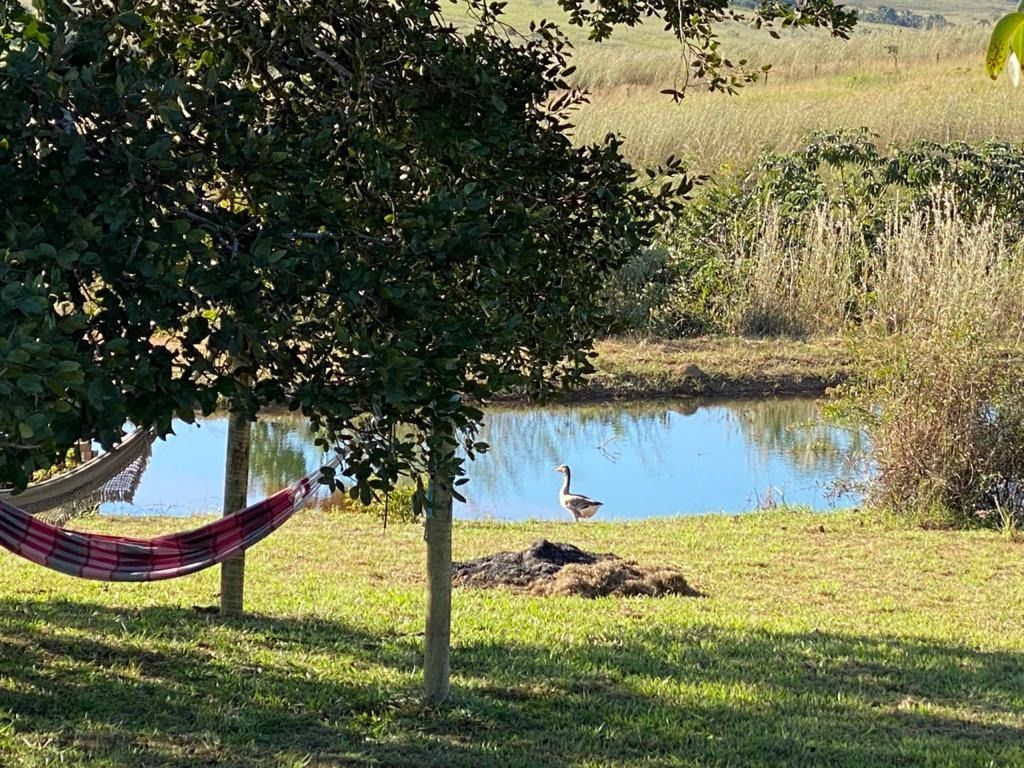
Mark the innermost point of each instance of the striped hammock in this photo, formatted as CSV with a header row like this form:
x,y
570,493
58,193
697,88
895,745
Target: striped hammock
x,y
120,558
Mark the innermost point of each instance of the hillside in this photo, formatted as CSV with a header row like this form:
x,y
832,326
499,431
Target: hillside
x,y
902,83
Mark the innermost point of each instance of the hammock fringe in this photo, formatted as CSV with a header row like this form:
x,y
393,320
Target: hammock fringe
x,y
111,476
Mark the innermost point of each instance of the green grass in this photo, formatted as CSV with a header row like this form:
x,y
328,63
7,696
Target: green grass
x,y
822,640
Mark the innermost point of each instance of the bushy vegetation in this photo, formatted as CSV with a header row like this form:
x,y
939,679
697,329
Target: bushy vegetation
x,y
904,17
945,412
835,235
883,14
917,254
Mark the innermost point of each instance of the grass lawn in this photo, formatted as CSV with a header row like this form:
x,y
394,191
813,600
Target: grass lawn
x,y
837,640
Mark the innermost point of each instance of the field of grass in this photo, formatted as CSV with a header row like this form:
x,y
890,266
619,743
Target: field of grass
x,y
932,87
937,91
834,640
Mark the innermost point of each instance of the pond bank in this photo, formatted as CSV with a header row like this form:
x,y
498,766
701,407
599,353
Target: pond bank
x,y
631,369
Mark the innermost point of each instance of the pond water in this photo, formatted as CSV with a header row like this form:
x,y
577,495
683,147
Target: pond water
x,y
641,459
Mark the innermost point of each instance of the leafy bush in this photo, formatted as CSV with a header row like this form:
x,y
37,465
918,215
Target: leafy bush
x,y
945,413
395,506
797,247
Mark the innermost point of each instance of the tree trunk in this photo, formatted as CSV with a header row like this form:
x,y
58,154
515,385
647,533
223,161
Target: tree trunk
x,y
438,534
236,487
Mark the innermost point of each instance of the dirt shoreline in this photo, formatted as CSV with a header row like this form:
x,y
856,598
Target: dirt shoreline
x,y
629,369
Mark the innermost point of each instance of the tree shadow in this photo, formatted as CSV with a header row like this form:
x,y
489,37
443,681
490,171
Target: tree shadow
x,y
169,687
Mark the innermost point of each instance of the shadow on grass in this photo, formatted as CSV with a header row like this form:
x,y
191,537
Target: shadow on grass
x,y
168,687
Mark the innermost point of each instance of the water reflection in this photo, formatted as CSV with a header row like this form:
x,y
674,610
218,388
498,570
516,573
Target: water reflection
x,y
647,459
281,451
640,459
794,428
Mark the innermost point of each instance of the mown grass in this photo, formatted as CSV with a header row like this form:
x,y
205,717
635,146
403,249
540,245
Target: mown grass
x,y
822,640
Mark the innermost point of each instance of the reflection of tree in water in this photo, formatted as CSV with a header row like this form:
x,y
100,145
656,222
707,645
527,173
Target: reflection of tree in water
x,y
529,442
281,452
794,429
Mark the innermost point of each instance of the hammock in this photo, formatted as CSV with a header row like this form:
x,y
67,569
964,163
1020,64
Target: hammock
x,y
118,558
111,476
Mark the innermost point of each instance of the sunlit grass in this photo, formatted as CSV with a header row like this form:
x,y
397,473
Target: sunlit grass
x,y
824,277
952,101
904,84
628,367
823,639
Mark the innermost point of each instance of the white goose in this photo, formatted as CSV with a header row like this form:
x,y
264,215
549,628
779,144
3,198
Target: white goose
x,y
575,504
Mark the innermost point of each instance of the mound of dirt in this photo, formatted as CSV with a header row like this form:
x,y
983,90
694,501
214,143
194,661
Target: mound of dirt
x,y
548,568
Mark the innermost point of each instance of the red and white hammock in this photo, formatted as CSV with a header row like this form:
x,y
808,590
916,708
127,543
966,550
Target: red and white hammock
x,y
120,558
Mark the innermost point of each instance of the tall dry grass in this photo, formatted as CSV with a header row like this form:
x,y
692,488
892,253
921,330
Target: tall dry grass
x,y
820,275
934,305
939,269
872,51
711,131
933,87
797,281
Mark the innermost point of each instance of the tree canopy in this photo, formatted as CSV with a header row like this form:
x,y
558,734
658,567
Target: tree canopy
x,y
350,208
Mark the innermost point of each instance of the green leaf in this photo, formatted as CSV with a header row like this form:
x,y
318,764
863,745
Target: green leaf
x,y
131,21
31,384
1001,43
18,357
32,32
11,292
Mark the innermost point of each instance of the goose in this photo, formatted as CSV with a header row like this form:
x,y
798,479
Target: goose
x,y
575,504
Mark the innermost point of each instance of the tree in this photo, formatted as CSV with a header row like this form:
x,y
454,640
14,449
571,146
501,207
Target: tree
x,y
346,207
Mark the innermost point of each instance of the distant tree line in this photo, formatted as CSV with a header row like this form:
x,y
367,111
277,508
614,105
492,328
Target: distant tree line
x,y
883,14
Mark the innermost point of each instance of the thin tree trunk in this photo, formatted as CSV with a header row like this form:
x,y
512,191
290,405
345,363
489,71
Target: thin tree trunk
x,y
236,487
437,642
85,450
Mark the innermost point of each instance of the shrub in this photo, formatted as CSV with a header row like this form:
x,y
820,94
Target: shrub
x,y
396,506
830,236
945,413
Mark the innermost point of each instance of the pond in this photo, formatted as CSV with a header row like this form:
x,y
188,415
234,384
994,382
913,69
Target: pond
x,y
641,459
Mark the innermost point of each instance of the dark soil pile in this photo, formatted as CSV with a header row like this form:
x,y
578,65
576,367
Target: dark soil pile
x,y
547,568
